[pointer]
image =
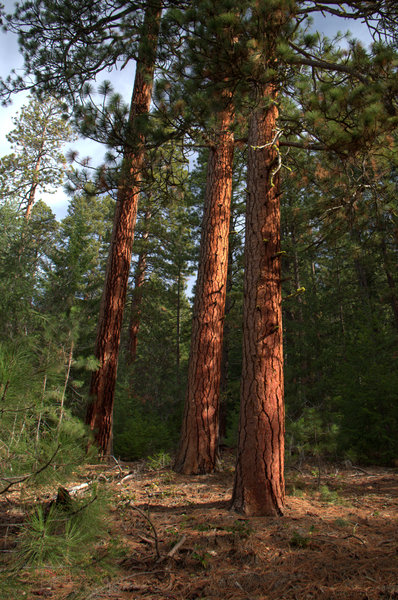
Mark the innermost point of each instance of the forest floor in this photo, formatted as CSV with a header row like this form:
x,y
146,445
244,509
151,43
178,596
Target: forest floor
x,y
172,537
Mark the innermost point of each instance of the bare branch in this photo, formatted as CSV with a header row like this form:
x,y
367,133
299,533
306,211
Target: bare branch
x,y
152,526
23,478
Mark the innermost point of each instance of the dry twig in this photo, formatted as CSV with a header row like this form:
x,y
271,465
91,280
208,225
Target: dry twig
x,y
23,478
152,526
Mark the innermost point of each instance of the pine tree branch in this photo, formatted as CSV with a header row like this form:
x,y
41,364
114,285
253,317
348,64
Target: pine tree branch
x,y
311,61
15,481
357,8
323,8
288,144
303,145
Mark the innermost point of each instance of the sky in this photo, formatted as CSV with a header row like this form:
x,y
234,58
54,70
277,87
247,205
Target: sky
x,y
10,58
122,82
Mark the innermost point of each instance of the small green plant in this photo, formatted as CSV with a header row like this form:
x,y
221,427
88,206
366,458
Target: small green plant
x,y
300,540
62,535
297,492
201,556
204,527
339,522
160,460
241,528
173,531
328,495
168,477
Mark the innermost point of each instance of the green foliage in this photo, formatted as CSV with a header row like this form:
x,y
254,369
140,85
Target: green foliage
x,y
340,373
368,402
231,436
148,406
36,164
43,318
63,536
142,431
314,434
201,556
241,528
160,460
300,539
328,495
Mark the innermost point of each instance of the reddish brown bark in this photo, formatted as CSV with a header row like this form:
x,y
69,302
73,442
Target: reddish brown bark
x,y
259,478
35,181
32,191
198,449
100,410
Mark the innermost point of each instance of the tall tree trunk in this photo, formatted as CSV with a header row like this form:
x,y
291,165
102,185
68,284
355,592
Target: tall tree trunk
x,y
35,179
259,477
32,191
341,306
139,279
198,449
102,389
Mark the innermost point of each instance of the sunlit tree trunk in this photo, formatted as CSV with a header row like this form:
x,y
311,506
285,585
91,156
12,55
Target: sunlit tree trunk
x,y
102,389
198,449
32,191
259,477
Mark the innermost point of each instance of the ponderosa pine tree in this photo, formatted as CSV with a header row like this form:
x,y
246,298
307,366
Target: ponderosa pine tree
x,y
268,67
198,449
102,390
259,478
91,39
209,43
36,163
259,490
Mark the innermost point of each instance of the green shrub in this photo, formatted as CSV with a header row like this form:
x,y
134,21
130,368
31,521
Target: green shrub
x,y
61,535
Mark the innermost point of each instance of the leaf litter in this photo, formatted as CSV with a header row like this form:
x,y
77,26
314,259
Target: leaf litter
x,y
176,539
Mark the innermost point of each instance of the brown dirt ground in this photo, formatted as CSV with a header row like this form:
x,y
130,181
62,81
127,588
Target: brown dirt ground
x,y
337,540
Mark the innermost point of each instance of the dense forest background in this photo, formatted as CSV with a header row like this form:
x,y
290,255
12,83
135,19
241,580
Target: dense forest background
x,y
340,307
206,82
218,306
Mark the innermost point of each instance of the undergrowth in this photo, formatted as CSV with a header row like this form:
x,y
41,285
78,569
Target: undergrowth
x,y
62,538
63,535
